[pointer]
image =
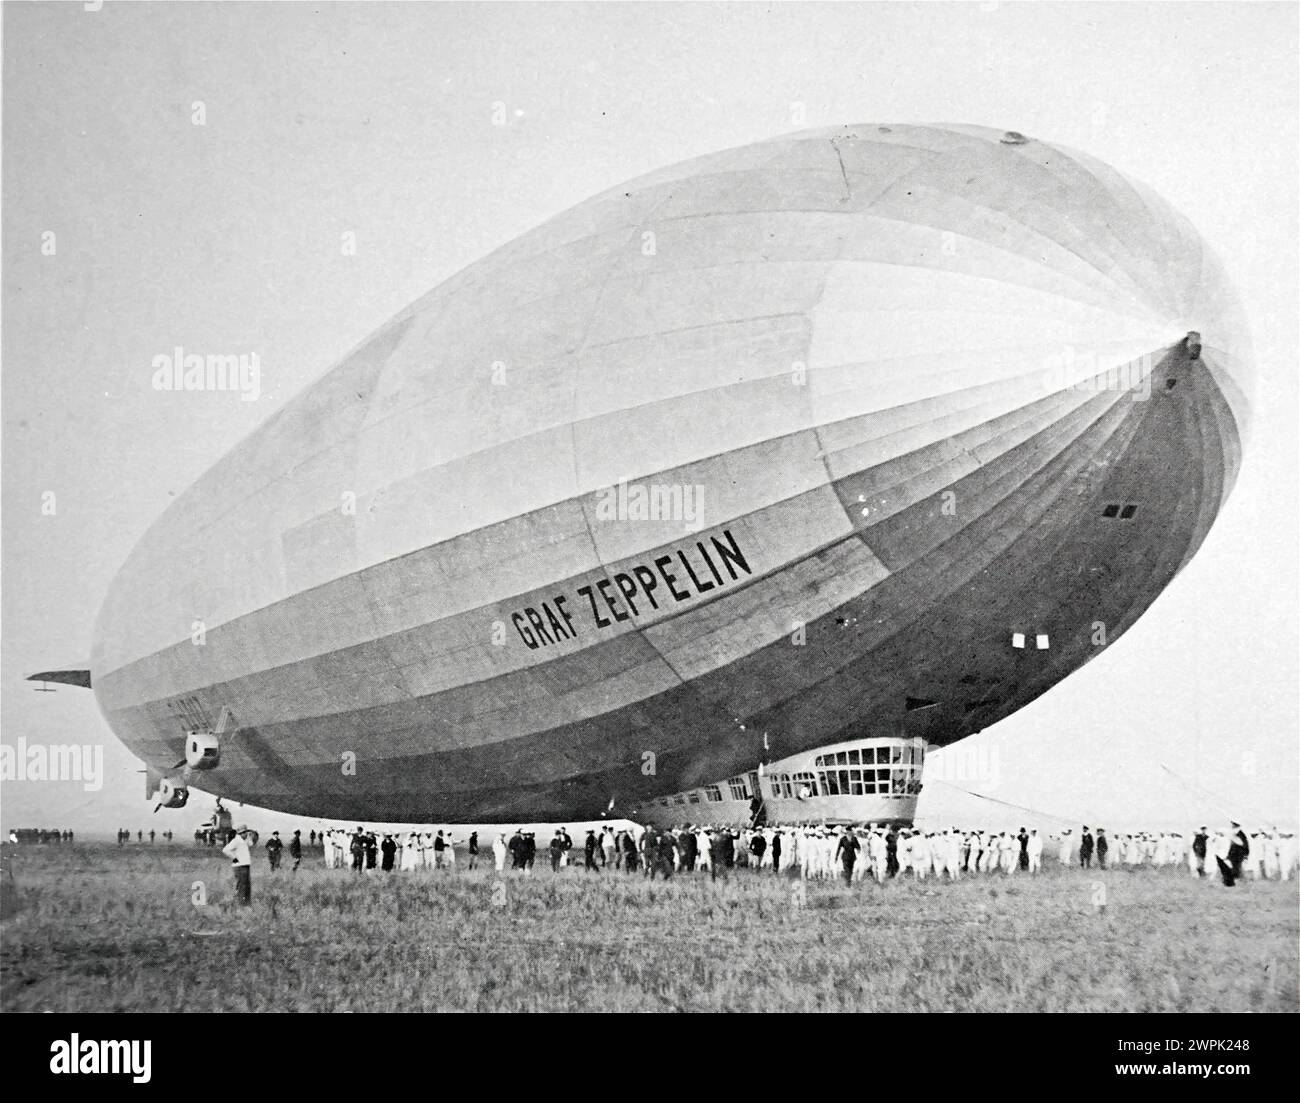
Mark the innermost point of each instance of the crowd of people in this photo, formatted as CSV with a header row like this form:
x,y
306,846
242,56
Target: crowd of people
x,y
363,850
816,852
30,835
124,836
822,852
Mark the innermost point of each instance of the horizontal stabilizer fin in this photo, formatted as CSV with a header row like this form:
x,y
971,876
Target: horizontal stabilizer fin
x,y
66,677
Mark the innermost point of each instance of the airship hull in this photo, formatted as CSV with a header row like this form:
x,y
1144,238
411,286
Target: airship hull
x,y
814,440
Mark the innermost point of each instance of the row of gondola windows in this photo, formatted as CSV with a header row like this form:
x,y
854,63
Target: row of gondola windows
x,y
900,780
870,756
897,782
711,793
867,783
794,785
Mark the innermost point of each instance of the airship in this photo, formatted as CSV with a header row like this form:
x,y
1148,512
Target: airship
x,y
741,481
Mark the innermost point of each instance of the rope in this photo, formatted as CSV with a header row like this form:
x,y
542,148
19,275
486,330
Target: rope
x,y
1233,817
1008,804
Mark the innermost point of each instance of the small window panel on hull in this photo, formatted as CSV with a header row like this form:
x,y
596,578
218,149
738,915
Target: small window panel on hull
x,y
1125,511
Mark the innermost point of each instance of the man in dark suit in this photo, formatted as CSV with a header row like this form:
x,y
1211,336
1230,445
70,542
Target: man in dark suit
x,y
1023,838
274,848
847,853
589,849
1102,847
1200,847
647,849
1238,850
719,849
776,853
690,849
1085,848
665,855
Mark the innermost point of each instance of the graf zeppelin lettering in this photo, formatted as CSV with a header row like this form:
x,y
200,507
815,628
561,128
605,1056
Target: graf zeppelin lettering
x,y
679,575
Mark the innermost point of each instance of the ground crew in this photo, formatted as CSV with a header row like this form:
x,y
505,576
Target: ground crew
x,y
847,853
666,852
1035,851
242,860
1238,850
1200,848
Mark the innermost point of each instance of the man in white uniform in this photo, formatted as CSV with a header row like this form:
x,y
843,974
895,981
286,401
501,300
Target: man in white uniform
x,y
1065,855
1009,849
1035,851
410,852
242,860
877,855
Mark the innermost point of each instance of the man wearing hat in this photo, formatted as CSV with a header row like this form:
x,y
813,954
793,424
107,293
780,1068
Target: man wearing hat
x,y
590,849
847,852
274,850
240,857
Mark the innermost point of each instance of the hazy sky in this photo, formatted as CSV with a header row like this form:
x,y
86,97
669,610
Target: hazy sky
x,y
377,119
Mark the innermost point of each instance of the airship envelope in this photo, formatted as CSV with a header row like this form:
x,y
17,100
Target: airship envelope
x,y
873,430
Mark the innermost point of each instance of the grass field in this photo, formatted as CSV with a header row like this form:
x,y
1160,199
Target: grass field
x,y
103,929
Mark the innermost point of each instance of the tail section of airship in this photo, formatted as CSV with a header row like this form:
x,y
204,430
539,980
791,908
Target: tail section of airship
x,y
870,432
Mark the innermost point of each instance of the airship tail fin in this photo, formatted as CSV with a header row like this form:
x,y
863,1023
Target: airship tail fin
x,y
77,677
